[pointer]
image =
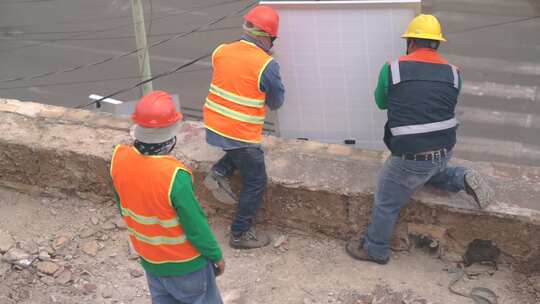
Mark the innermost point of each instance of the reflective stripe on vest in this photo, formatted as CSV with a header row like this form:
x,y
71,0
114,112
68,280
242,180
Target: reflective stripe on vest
x,y
425,128
150,220
144,185
250,102
394,68
456,77
157,240
257,120
396,74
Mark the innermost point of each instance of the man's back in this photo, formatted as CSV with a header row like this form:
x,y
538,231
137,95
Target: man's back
x,y
422,95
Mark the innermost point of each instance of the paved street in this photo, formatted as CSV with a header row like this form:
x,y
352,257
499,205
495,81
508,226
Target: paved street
x,y
495,43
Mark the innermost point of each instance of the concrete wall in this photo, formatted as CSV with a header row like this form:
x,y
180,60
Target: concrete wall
x,y
312,187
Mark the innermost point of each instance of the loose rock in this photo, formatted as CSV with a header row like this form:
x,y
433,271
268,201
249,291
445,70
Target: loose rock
x,y
120,224
44,256
89,288
64,277
60,242
15,254
535,282
48,268
132,254
94,220
6,241
4,268
107,292
30,246
88,232
136,273
108,226
47,280
47,249
280,240
451,257
90,248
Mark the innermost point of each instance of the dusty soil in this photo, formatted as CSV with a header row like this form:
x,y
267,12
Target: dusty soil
x,y
87,252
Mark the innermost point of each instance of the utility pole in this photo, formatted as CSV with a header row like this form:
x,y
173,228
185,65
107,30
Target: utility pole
x,y
140,39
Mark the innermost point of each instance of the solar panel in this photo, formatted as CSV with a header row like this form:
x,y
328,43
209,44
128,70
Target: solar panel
x,y
330,54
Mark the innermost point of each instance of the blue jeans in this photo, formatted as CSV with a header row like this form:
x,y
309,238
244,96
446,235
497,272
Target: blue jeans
x,y
250,162
198,287
398,180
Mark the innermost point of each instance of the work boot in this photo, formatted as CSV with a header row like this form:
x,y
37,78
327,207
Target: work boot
x,y
249,240
355,249
476,186
220,187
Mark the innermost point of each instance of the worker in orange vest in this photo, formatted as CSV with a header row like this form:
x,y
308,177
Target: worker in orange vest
x,y
245,79
166,224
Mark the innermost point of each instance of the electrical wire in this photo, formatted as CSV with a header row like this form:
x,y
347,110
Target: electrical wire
x,y
118,56
138,84
493,25
128,37
53,84
92,19
177,69
26,1
179,13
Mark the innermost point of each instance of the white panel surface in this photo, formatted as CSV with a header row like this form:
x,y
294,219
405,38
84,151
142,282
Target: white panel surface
x,y
330,55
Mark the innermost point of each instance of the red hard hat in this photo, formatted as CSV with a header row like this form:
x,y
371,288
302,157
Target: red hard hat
x,y
156,110
265,18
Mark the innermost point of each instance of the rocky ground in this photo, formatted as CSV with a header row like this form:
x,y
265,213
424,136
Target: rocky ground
x,y
67,250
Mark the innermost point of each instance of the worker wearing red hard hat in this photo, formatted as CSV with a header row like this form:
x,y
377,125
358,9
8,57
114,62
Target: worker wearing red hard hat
x,y
245,81
166,224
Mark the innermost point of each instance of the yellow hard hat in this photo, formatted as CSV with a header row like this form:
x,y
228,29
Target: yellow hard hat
x,y
424,27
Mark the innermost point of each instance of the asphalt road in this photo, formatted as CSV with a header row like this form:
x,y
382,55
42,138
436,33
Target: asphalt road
x,y
496,43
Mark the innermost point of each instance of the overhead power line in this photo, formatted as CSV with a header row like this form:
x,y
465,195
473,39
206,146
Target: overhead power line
x,y
179,13
26,1
68,83
94,19
138,84
493,25
102,61
126,36
177,69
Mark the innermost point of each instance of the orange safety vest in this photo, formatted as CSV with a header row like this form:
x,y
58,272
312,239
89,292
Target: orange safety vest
x,y
235,107
144,185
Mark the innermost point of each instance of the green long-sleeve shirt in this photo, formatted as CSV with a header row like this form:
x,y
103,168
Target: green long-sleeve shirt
x,y
381,92
195,224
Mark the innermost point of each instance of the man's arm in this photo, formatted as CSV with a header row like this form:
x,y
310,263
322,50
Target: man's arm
x,y
273,87
192,217
381,92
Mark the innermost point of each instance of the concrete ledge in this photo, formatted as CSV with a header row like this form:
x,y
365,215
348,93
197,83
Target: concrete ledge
x,y
313,187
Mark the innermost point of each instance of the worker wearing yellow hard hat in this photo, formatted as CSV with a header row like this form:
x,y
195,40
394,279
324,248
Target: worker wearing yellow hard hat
x,y
424,27
420,92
